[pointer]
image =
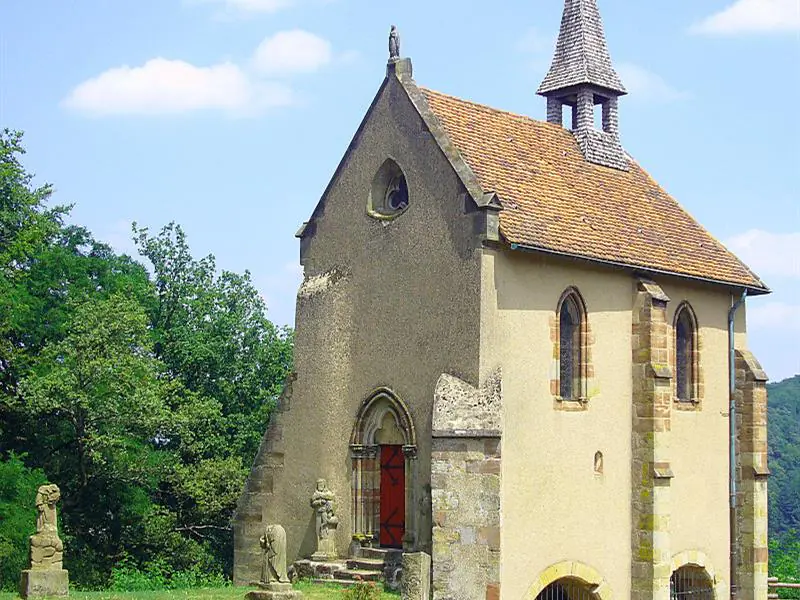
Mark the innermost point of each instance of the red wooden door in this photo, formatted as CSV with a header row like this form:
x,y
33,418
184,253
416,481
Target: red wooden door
x,y
393,496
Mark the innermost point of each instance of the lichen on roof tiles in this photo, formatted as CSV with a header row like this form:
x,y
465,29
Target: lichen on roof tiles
x,y
557,201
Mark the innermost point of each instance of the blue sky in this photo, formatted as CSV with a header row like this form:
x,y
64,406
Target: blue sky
x,y
230,116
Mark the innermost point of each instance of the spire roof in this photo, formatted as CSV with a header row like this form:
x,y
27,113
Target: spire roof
x,y
581,55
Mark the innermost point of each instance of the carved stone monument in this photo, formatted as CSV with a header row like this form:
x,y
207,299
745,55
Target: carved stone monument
x,y
46,577
322,501
274,582
394,44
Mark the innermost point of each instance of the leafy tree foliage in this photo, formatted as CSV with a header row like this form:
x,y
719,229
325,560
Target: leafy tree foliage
x,y
18,486
143,397
784,455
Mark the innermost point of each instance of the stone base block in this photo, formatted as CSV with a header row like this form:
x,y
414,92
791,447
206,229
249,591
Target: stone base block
x,y
275,594
38,583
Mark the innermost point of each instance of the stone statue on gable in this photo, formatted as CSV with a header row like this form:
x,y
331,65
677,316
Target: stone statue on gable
x,y
394,44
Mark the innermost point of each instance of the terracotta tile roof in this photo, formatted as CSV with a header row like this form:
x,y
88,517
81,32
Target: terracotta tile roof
x,y
553,199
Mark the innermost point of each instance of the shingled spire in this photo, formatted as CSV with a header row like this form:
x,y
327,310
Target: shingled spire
x,y
582,76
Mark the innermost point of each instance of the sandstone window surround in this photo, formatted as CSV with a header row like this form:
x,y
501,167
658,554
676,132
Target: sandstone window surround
x,y
388,196
687,384
572,341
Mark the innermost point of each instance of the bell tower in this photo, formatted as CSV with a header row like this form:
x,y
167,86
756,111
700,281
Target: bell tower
x,y
582,77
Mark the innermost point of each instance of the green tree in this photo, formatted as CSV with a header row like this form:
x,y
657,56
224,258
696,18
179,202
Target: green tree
x,y
18,486
143,397
213,335
99,391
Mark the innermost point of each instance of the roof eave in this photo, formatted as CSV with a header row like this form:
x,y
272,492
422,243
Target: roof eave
x,y
751,289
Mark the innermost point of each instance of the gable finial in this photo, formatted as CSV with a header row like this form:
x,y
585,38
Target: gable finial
x,y
394,44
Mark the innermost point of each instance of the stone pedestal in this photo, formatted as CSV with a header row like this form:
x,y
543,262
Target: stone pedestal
x,y
416,582
38,583
326,550
274,591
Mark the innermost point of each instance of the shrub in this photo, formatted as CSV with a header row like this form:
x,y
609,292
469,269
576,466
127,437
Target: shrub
x,y
158,575
362,590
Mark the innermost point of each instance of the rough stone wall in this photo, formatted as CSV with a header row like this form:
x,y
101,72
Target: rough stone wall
x,y
248,524
358,325
651,471
465,490
752,473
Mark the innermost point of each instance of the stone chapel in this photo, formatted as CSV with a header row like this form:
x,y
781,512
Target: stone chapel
x,y
517,353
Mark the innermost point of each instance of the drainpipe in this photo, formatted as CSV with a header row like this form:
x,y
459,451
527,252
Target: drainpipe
x,y
732,443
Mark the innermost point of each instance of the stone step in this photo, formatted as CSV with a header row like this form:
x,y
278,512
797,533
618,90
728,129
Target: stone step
x,y
340,582
390,555
366,564
355,574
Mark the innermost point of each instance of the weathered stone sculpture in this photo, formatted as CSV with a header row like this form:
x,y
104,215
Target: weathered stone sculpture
x,y
394,44
274,582
46,577
273,542
322,501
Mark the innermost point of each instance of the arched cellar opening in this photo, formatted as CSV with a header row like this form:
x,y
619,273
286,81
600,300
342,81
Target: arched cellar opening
x,y
568,589
691,582
383,447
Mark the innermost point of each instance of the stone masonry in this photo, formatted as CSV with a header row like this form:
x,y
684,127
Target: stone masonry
x,y
248,521
465,489
651,472
752,474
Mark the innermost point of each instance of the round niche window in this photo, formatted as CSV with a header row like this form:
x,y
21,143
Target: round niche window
x,y
388,196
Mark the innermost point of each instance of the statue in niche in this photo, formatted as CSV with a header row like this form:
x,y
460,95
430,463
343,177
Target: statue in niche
x,y
273,542
326,521
47,549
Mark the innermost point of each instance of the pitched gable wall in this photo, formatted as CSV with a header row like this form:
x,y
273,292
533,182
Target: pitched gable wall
x,y
391,304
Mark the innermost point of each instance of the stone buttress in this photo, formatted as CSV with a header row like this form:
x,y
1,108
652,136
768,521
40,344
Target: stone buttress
x,y
651,471
752,474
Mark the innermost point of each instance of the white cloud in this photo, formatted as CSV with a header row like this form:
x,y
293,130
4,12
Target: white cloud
x,y
768,253
163,86
646,85
752,16
249,6
774,315
294,51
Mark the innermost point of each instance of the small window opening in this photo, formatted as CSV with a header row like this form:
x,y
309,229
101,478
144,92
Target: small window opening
x,y
568,117
684,356
598,116
598,463
567,589
570,317
691,583
389,195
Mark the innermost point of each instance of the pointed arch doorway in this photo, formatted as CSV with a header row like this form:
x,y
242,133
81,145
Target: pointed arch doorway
x,y
383,448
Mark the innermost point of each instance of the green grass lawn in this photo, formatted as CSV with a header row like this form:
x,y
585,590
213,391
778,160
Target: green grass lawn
x,y
311,591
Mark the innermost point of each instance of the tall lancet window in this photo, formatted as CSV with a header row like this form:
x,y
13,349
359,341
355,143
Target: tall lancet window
x,y
570,326
685,354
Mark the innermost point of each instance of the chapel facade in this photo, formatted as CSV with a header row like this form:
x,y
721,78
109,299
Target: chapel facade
x,y
515,352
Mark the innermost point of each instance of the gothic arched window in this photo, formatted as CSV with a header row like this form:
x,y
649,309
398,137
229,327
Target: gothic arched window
x,y
685,354
571,326
388,197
